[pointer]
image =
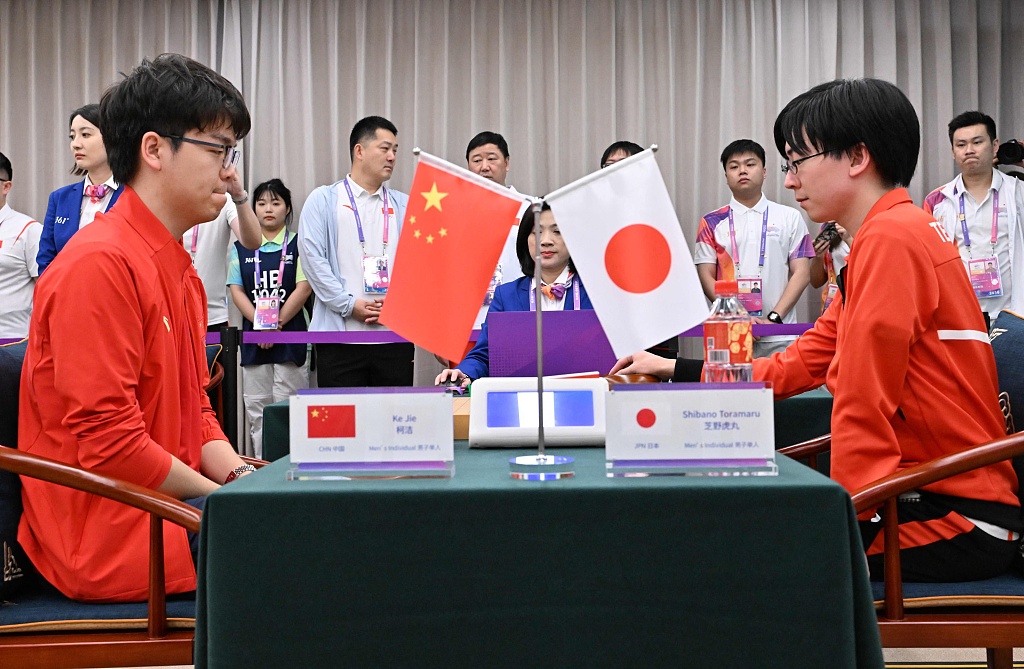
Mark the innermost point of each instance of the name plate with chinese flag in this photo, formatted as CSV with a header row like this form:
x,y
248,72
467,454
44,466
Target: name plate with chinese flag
x,y
724,429
339,433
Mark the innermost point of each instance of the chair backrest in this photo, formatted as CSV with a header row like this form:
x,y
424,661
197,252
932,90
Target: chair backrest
x,y
16,567
1007,337
11,358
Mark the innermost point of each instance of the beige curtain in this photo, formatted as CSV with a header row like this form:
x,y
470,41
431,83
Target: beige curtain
x,y
561,79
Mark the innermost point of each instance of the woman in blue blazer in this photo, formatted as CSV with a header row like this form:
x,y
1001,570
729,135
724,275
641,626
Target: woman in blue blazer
x,y
74,206
560,284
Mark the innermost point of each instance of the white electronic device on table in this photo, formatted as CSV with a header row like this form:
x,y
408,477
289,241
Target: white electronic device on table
x,y
503,412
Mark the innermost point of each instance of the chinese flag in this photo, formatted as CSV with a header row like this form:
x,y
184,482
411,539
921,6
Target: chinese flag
x,y
455,227
325,422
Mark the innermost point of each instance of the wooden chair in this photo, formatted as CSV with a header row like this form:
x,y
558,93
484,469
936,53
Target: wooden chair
x,y
58,632
42,629
85,643
983,614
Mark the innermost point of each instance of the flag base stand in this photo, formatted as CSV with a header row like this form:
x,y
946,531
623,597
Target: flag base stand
x,y
541,467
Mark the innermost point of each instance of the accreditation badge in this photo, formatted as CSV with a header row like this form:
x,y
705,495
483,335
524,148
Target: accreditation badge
x,y
375,275
830,295
268,313
985,277
750,295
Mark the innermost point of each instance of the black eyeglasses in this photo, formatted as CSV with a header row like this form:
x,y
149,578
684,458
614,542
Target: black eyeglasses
x,y
231,154
790,166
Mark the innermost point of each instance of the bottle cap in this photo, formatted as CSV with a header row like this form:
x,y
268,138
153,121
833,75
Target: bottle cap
x,y
726,288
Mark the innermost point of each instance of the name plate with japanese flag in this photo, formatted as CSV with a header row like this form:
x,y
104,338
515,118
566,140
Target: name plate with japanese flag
x,y
724,429
339,433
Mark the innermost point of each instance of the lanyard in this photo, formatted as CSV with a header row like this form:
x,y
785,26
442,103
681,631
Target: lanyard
x,y
195,242
575,296
735,250
280,267
995,220
359,220
831,267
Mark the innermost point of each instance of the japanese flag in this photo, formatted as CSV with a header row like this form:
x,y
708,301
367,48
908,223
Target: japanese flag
x,y
624,237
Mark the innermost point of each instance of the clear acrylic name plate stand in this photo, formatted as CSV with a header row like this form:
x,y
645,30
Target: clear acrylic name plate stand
x,y
690,429
370,433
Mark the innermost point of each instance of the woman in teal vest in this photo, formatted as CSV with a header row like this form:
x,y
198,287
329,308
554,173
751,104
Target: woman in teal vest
x,y
268,287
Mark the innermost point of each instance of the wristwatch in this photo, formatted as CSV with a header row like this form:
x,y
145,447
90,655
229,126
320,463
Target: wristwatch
x,y
774,317
238,471
243,199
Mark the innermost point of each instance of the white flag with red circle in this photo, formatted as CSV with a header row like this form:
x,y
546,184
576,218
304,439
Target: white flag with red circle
x,y
622,232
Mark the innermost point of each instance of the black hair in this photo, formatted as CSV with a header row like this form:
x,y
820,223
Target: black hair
x,y
5,168
622,146
526,262
488,137
741,146
366,129
169,95
91,113
836,116
276,187
969,118
1010,152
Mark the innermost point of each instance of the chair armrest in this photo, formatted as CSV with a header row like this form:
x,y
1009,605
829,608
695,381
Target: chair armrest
x,y
806,449
809,450
873,494
140,497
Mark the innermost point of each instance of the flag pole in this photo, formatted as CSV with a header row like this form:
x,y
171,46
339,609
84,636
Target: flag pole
x,y
540,342
540,467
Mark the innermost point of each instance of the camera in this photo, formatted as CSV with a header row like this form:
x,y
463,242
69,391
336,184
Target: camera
x,y
828,233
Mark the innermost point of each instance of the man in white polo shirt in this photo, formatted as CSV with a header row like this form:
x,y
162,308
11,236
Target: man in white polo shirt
x,y
762,244
982,209
19,244
209,243
487,155
348,234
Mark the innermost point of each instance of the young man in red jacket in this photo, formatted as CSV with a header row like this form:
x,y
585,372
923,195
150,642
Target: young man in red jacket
x,y
904,349
115,370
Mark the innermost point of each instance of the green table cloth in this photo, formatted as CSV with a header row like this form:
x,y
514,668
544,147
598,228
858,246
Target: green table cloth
x,y
483,571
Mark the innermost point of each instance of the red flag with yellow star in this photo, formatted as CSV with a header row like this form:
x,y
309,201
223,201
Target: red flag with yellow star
x,y
455,227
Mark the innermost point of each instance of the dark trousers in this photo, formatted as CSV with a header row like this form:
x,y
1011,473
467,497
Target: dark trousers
x,y
361,365
193,537
971,555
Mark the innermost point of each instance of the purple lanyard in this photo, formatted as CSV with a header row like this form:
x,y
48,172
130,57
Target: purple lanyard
x,y
575,296
995,220
280,267
359,220
195,241
735,250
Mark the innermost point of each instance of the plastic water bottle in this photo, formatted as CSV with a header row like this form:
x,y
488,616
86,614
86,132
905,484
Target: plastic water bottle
x,y
728,338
